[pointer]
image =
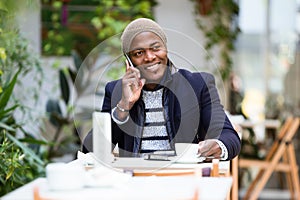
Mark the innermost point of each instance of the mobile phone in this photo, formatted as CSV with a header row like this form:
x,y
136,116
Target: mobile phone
x,y
156,157
129,60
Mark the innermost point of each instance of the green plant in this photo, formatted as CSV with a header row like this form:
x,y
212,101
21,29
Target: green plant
x,y
112,16
217,21
66,26
19,163
66,29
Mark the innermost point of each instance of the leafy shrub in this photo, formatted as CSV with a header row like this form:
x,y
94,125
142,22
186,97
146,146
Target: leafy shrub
x,y
19,164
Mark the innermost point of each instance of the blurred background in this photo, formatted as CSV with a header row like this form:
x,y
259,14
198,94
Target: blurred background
x,y
56,56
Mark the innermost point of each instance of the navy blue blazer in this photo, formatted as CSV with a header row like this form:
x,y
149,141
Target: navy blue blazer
x,y
192,108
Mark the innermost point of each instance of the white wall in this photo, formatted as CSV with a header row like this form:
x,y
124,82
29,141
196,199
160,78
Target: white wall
x,y
184,38
28,18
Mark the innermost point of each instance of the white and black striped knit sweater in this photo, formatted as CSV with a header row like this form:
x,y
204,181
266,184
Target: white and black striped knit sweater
x,y
155,135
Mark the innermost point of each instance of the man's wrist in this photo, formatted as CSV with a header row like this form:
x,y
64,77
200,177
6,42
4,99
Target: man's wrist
x,y
224,154
124,105
115,117
122,109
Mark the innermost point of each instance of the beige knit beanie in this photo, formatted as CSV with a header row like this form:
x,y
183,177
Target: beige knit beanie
x,y
138,26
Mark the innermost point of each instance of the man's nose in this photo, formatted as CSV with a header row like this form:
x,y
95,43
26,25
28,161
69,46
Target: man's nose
x,y
149,55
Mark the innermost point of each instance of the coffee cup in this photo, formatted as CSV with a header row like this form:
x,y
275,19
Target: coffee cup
x,y
61,176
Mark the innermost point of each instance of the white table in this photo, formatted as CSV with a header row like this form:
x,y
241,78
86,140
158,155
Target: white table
x,y
259,127
179,187
151,187
267,123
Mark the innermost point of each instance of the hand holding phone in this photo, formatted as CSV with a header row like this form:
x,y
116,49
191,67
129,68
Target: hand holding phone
x,y
129,65
132,82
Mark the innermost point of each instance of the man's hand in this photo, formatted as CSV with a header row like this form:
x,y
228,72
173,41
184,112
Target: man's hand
x,y
132,85
209,148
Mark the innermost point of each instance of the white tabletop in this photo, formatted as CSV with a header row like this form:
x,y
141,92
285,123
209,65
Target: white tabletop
x,y
176,187
113,184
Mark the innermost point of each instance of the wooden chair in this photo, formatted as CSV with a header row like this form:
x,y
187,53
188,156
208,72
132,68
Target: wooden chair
x,y
281,157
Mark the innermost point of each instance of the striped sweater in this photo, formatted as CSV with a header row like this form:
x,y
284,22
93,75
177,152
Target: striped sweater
x,y
155,136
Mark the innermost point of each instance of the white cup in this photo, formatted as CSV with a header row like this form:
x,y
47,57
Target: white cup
x,y
182,148
61,176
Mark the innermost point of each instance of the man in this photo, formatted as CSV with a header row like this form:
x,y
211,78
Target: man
x,y
156,105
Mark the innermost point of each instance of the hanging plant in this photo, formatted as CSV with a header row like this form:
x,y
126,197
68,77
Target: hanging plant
x,y
217,20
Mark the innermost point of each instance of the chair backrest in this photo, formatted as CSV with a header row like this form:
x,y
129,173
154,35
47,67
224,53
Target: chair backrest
x,y
292,130
282,133
284,128
281,157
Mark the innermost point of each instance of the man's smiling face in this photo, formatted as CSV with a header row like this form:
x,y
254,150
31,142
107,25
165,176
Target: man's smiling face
x,y
149,54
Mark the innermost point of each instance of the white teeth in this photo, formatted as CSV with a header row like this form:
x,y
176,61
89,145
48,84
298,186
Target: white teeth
x,y
152,66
